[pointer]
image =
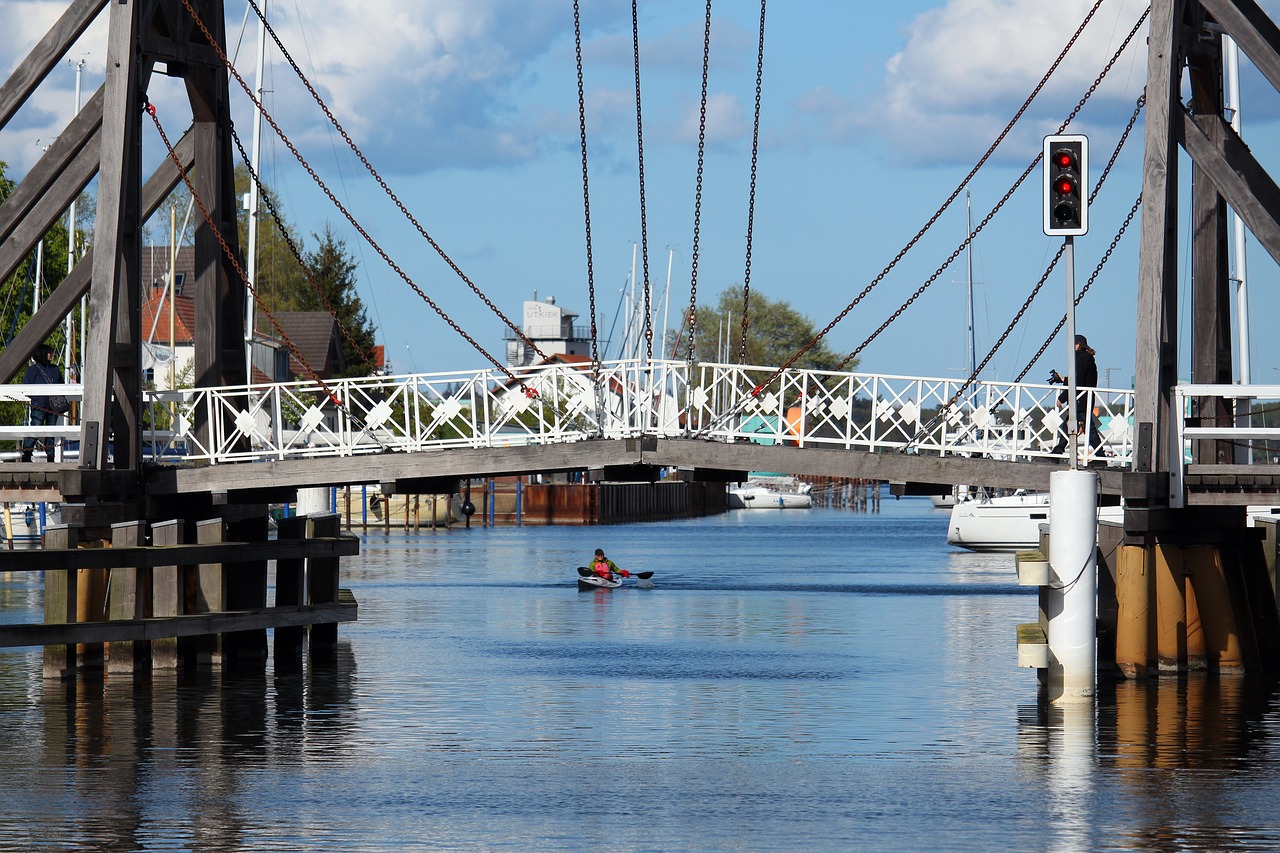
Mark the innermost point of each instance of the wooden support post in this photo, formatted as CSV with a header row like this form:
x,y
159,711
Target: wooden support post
x,y
128,598
1135,628
166,594
207,593
1171,610
322,587
60,591
291,590
246,589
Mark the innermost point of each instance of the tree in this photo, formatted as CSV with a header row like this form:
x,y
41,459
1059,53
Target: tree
x,y
775,332
333,272
280,280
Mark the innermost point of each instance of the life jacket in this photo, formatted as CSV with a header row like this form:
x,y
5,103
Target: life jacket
x,y
602,569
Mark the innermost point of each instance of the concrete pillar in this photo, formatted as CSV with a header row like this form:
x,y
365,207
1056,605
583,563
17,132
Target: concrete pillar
x,y
1071,602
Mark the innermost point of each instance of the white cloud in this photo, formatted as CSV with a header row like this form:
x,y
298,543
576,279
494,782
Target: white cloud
x,y
967,67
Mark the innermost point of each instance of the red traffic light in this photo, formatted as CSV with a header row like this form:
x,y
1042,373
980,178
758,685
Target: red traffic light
x,y
1064,186
1064,159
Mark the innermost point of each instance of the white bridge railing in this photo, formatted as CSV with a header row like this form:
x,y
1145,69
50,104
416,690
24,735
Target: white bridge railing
x,y
565,403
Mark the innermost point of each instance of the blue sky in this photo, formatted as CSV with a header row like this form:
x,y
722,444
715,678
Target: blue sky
x,y
871,115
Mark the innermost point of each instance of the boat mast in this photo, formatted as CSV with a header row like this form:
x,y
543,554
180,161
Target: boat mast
x,y
968,251
1232,51
253,200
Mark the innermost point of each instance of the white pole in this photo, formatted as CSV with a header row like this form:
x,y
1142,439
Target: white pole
x,y
973,349
632,309
1242,291
71,248
1070,601
253,200
1069,259
666,301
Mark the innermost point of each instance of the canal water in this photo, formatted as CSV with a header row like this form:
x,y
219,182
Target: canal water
x,y
795,681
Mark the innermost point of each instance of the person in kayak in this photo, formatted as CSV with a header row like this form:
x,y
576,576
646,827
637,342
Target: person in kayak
x,y
606,568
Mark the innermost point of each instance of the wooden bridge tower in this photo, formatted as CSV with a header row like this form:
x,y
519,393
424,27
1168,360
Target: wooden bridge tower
x,y
183,591
1192,591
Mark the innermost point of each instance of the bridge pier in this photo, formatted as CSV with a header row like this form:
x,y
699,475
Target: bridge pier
x,y
1188,606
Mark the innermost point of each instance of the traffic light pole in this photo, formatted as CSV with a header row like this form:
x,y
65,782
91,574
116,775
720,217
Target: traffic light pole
x,y
1073,418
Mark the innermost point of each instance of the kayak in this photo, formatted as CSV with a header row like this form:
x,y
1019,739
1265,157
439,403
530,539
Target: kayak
x,y
594,581
588,579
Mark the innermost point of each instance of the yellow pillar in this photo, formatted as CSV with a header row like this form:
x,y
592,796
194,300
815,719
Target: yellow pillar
x,y
1222,640
1171,609
1197,646
1135,588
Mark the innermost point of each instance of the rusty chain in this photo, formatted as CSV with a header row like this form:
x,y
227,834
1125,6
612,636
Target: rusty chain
x,y
373,172
1035,291
751,199
1035,161
296,252
697,205
315,177
234,260
644,223
947,203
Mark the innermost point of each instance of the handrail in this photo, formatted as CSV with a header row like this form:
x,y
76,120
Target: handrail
x,y
1183,431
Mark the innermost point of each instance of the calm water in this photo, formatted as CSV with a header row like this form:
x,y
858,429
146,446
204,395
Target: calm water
x,y
796,681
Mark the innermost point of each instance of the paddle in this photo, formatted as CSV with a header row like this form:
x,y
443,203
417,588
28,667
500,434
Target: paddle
x,y
586,573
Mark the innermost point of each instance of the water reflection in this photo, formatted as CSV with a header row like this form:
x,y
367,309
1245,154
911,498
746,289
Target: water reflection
x,y
113,762
1189,758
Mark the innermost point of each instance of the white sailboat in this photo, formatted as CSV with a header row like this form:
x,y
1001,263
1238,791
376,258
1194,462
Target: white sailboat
x,y
765,491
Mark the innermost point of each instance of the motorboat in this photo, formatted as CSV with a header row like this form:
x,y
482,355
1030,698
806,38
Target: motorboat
x,y
771,493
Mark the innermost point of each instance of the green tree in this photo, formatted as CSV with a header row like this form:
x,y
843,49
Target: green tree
x,y
281,281
775,332
333,271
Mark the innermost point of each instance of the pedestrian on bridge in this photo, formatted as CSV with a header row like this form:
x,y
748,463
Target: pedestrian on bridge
x,y
45,410
1086,377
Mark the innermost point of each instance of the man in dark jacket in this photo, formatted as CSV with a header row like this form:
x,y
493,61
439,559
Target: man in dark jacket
x,y
1086,377
42,371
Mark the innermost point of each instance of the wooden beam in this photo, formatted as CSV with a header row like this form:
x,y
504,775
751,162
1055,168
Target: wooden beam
x,y
1253,30
45,55
345,609
67,151
13,358
1156,357
147,557
1236,175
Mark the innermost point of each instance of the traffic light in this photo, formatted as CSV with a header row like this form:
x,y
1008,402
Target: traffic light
x,y
1066,185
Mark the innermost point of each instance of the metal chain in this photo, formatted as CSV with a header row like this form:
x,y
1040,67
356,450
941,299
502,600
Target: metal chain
x,y
586,215
644,226
296,251
954,195
530,392
372,171
751,199
1017,318
697,205
235,261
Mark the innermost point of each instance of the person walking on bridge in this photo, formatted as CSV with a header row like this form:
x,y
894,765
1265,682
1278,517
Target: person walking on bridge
x,y
1086,377
45,410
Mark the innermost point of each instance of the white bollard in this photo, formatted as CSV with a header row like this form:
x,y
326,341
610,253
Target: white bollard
x,y
314,501
1071,604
